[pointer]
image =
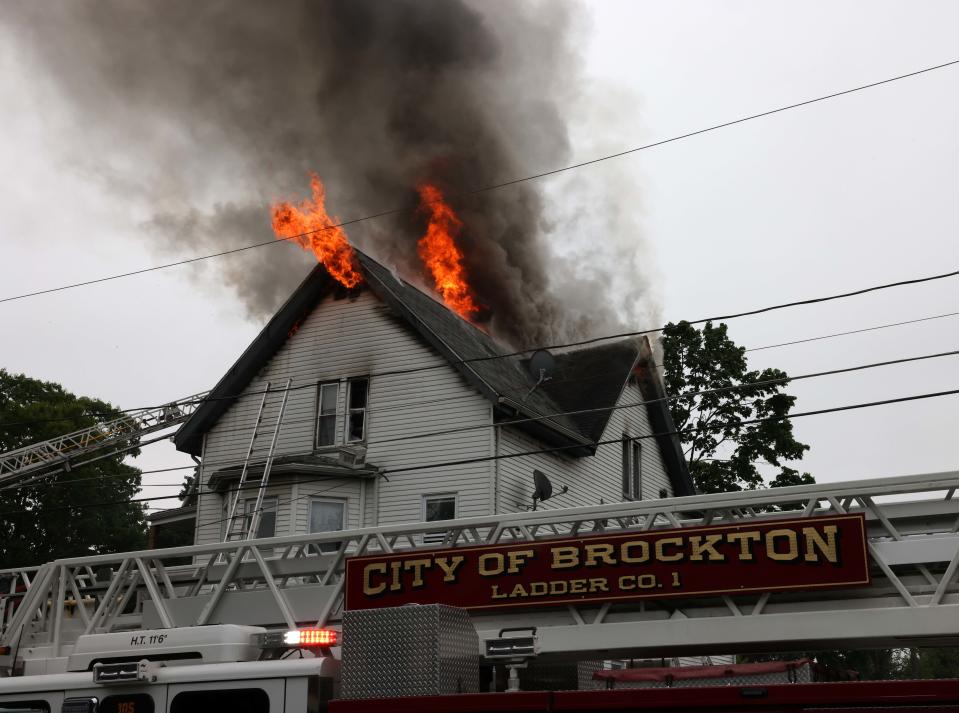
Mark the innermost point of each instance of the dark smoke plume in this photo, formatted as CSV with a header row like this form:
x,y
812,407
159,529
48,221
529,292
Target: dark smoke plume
x,y
208,111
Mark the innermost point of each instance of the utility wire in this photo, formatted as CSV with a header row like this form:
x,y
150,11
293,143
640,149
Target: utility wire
x,y
746,422
495,186
557,449
313,384
765,383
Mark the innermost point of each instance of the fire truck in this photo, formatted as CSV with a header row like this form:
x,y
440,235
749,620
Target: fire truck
x,y
544,610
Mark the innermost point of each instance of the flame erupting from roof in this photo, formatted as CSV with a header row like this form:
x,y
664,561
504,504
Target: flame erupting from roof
x,y
440,255
309,225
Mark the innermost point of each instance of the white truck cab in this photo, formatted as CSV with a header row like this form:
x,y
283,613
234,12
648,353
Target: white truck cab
x,y
200,669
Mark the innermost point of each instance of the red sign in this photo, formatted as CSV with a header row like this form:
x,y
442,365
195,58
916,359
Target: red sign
x,y
760,556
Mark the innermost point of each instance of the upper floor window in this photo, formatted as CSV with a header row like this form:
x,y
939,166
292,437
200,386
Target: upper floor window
x,y
326,418
632,468
330,429
356,418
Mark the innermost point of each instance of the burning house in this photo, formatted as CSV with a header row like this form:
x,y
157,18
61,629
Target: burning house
x,y
399,410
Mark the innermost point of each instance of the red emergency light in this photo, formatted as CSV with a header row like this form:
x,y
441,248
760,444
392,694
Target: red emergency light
x,y
311,637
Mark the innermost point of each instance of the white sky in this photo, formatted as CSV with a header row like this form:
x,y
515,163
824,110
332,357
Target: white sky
x,y
839,195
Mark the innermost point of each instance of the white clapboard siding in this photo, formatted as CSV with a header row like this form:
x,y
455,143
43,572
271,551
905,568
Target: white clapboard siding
x,y
592,479
213,509
355,337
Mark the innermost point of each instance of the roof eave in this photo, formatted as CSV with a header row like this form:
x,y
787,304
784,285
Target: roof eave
x,y
661,420
189,438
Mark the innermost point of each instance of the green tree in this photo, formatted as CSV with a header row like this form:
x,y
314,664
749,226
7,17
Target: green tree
x,y
65,515
724,450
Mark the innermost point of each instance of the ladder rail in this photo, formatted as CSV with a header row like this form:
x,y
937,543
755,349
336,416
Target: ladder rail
x,y
56,453
302,575
237,496
268,466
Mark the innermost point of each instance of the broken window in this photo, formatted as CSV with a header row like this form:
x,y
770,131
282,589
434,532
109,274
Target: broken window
x,y
356,412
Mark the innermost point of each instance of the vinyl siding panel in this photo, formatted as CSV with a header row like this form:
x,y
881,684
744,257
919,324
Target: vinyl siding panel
x,y
592,479
355,337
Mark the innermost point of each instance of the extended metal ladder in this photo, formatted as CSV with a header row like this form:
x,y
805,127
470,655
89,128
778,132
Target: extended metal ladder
x,y
912,538
241,525
101,440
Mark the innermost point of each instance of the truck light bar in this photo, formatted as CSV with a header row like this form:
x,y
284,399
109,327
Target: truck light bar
x,y
311,637
298,638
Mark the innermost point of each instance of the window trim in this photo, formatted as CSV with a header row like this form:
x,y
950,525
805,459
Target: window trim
x,y
349,410
631,477
636,468
319,414
251,502
344,501
436,538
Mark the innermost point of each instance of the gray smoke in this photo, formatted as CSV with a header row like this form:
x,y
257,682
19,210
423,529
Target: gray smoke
x,y
208,111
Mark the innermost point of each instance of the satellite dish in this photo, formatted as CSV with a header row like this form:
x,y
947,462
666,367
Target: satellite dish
x,y
541,366
543,488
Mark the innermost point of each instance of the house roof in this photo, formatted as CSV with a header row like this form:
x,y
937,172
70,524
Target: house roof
x,y
163,517
587,379
316,465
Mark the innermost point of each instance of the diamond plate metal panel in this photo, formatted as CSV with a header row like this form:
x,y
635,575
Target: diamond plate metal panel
x,y
409,651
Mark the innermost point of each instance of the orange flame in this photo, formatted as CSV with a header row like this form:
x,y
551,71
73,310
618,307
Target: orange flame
x,y
439,253
309,225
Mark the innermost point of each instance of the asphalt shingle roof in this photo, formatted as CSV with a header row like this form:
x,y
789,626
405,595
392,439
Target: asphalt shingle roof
x,y
588,379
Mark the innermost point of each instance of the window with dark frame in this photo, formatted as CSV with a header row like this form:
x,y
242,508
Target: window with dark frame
x,y
236,700
632,468
358,397
326,416
636,464
266,527
437,508
327,515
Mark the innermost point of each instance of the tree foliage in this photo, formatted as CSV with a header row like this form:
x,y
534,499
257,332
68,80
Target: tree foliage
x,y
714,399
879,664
68,514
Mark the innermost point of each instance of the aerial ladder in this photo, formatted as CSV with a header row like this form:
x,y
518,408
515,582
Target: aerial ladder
x,y
911,536
101,440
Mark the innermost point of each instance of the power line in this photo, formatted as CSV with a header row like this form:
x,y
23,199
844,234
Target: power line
x,y
850,332
400,372
575,412
556,449
818,412
495,186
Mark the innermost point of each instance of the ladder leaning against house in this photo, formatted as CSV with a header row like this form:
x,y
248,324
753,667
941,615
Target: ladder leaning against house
x,y
241,525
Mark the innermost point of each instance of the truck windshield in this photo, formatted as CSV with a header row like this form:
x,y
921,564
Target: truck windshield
x,y
235,700
24,707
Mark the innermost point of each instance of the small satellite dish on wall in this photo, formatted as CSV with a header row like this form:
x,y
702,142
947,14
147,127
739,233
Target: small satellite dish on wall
x,y
543,488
